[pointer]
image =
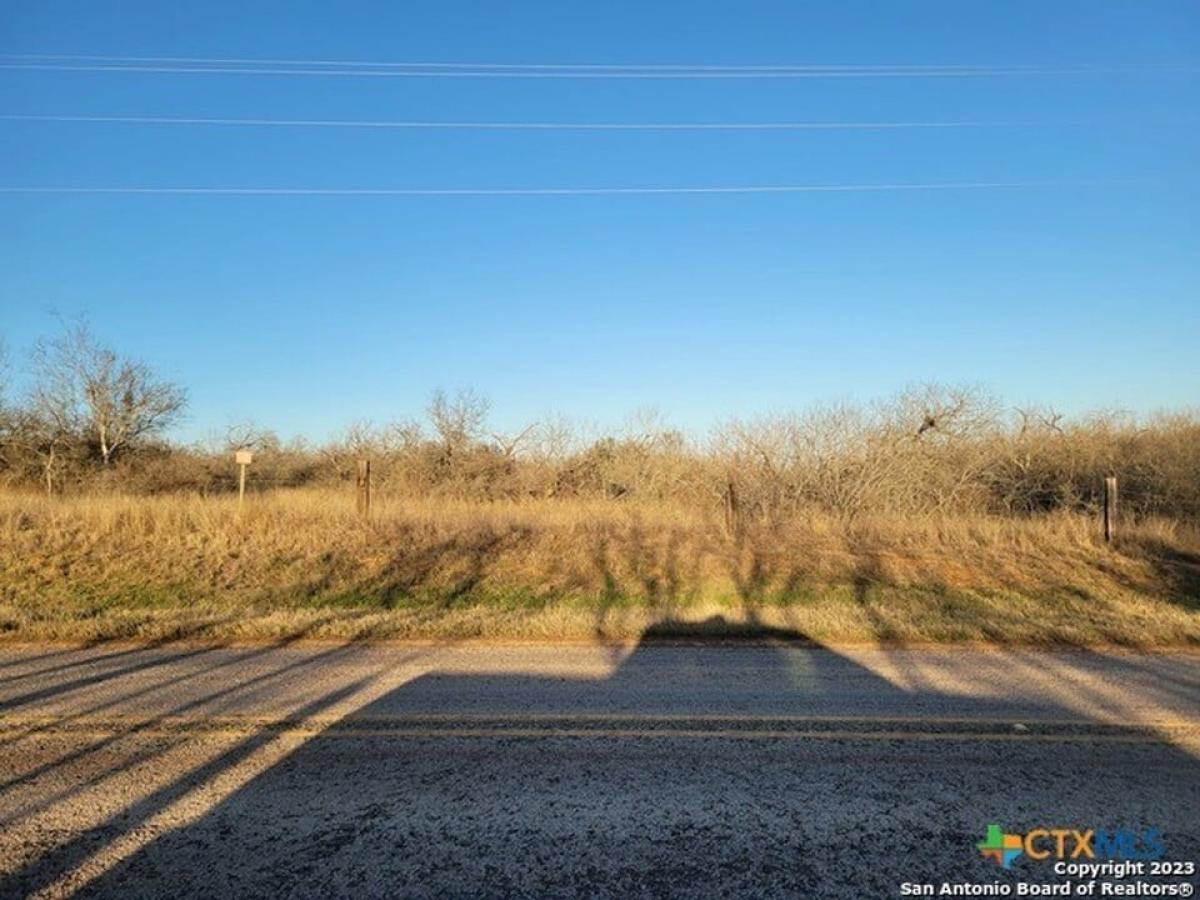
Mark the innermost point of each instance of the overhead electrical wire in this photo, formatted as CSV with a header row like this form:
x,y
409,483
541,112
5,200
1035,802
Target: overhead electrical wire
x,y
208,65
317,67
552,191
507,126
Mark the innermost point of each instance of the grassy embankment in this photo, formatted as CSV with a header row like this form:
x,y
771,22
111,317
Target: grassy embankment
x,y
300,565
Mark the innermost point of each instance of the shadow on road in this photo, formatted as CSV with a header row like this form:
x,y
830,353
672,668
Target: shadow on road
x,y
763,767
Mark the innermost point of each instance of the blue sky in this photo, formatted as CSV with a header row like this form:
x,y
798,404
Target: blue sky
x,y
307,312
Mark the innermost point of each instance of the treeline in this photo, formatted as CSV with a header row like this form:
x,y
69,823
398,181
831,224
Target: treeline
x,y
93,420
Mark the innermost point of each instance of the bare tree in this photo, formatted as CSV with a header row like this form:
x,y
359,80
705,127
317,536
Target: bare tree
x,y
1051,420
249,435
6,415
948,411
40,439
3,373
402,435
458,420
506,444
84,387
554,439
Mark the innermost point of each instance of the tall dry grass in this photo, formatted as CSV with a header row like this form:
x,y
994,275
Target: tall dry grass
x,y
300,563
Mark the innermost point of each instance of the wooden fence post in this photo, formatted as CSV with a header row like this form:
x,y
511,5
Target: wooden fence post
x,y
1110,508
731,509
363,500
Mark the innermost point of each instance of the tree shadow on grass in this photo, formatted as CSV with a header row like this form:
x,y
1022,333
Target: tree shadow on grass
x,y
440,574
1174,570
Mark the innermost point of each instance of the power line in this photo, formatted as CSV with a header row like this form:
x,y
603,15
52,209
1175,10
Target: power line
x,y
513,126
568,191
199,60
205,66
606,67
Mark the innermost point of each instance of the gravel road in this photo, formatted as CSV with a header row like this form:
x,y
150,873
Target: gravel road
x,y
544,770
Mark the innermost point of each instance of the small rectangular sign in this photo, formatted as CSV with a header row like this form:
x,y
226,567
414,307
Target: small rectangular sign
x,y
244,457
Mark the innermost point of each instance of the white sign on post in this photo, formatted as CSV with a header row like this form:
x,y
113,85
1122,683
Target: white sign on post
x,y
242,458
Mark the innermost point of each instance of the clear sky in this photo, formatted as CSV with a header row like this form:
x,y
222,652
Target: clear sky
x,y
1077,288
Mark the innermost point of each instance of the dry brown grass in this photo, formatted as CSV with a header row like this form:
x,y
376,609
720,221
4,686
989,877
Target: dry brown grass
x,y
299,564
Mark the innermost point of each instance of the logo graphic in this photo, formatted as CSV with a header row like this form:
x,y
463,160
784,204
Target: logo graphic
x,y
1070,843
999,847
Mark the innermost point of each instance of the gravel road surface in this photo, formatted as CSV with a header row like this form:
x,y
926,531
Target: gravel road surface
x,y
543,770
